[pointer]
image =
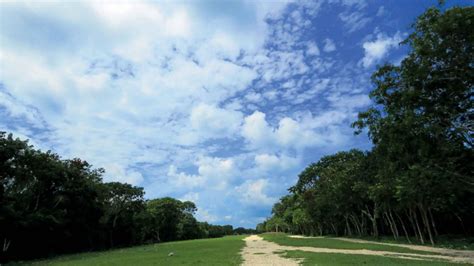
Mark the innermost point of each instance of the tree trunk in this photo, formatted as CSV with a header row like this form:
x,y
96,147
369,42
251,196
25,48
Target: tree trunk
x,y
461,222
334,228
433,223
349,231
373,218
387,218
394,223
412,222
6,244
418,226
424,218
403,227
356,224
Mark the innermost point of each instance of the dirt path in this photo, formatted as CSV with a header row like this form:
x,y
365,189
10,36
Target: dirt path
x,y
261,252
468,254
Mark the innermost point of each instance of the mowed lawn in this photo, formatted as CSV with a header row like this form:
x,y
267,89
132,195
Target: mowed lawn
x,y
216,251
313,258
285,240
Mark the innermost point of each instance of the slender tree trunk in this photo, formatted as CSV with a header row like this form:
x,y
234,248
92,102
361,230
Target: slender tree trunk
x,y
335,229
158,235
363,223
394,223
403,227
424,218
461,222
6,244
433,223
418,226
356,224
412,222
349,231
387,218
373,218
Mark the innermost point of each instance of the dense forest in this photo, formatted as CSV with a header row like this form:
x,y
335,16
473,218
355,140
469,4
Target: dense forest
x,y
50,206
417,182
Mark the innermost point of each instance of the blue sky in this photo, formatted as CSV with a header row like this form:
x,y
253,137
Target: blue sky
x,y
218,102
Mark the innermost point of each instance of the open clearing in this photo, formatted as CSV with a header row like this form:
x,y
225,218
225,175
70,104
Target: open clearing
x,y
269,249
214,251
352,251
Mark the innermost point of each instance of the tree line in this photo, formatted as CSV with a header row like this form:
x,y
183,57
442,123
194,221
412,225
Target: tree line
x,y
417,181
50,206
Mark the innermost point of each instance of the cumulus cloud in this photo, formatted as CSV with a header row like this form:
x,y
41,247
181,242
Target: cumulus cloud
x,y
275,162
181,179
213,102
312,49
212,122
377,49
252,192
329,45
289,134
117,173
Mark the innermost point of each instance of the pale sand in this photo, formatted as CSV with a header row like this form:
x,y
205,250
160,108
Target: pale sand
x,y
300,236
468,254
260,252
266,256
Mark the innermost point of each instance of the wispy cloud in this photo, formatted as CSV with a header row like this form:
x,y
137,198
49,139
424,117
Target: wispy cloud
x,y
219,102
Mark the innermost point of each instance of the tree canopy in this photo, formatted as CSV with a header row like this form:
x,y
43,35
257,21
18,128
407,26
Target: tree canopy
x,y
418,179
50,206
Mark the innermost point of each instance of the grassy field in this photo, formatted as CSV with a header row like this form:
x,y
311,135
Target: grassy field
x,y
284,240
443,241
217,251
311,258
226,251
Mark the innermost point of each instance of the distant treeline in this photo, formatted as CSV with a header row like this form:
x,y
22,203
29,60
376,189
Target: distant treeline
x,y
418,179
50,206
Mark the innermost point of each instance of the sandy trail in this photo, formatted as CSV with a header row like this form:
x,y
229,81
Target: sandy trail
x,y
444,251
261,252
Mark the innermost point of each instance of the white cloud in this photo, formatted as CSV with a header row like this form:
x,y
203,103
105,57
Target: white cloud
x,y
205,216
252,192
289,134
216,167
212,122
271,162
312,49
354,20
256,130
191,196
379,48
329,45
188,99
117,173
181,179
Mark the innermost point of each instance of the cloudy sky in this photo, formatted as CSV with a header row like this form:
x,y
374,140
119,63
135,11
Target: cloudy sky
x,y
218,102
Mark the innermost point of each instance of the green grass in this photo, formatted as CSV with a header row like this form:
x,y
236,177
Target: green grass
x,y
443,241
217,251
283,239
310,258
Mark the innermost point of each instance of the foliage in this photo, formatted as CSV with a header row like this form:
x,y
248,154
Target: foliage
x,y
418,179
50,206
